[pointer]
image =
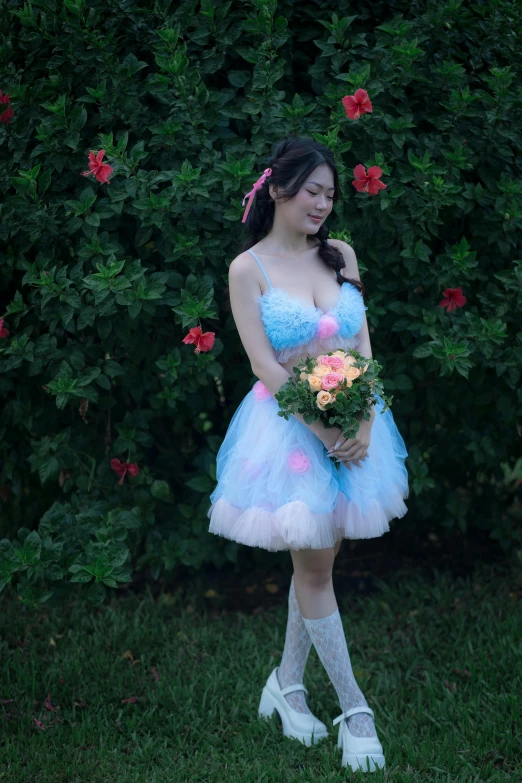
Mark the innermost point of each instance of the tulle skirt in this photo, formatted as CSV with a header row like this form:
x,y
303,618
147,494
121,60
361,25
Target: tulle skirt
x,y
278,489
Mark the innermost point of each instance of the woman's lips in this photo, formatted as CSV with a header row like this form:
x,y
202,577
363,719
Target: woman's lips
x,y
315,219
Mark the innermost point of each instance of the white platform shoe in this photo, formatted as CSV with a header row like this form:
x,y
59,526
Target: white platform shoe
x,y
302,726
364,753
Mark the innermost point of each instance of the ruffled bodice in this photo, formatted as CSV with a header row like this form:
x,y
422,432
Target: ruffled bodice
x,y
295,327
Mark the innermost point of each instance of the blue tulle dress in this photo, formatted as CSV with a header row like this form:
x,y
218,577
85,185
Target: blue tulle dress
x,y
276,486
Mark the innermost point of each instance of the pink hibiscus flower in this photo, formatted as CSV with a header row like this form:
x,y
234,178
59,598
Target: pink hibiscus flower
x,y
357,104
100,171
453,299
368,182
204,341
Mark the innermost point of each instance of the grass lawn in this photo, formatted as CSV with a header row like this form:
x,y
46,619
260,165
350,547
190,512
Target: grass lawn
x,y
167,689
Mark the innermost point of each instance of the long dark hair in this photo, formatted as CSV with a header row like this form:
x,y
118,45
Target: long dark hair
x,y
292,161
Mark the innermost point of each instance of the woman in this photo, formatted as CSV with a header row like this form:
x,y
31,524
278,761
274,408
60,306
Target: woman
x,y
278,487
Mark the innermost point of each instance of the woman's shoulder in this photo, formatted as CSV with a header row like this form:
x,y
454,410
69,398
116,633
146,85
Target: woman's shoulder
x,y
244,274
341,245
241,263
351,269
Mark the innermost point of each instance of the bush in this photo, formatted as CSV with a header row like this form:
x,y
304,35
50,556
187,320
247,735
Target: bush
x,y
101,282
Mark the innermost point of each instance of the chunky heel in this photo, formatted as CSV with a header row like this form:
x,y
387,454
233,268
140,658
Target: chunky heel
x,y
304,727
359,753
267,705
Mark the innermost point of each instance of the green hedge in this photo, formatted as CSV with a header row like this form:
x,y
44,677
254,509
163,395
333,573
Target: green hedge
x,y
101,282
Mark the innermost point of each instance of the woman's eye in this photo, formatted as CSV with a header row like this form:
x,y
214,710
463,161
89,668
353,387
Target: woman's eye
x,y
315,194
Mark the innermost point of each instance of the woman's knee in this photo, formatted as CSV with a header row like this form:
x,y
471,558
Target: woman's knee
x,y
313,566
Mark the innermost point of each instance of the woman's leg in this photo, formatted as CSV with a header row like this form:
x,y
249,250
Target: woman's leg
x,y
316,598
296,650
295,653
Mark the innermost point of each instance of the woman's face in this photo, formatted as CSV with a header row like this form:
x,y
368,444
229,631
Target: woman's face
x,y
315,197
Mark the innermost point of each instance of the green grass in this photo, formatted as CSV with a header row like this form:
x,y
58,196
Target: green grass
x,y
439,663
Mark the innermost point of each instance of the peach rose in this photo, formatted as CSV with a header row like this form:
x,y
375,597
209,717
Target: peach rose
x,y
320,370
349,360
315,383
323,398
304,376
331,380
333,361
350,373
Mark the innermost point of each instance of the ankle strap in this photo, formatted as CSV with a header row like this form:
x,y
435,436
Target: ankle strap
x,y
291,688
353,711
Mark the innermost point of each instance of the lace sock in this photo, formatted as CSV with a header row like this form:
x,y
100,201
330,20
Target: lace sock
x,y
328,637
295,653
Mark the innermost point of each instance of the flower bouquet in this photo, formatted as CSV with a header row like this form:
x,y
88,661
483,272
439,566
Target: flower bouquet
x,y
336,388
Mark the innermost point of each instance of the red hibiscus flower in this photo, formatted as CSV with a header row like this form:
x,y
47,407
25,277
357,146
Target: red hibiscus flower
x,y
101,171
121,468
204,342
453,299
3,331
8,113
357,104
368,183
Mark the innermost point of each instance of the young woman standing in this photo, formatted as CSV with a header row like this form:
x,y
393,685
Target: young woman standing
x,y
295,293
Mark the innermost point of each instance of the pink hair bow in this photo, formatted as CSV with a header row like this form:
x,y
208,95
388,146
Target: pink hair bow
x,y
266,173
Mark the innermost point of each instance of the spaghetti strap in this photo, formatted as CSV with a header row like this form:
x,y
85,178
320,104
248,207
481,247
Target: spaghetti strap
x,y
261,267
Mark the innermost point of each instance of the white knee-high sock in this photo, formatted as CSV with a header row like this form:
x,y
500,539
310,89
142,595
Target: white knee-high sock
x,y
327,635
295,654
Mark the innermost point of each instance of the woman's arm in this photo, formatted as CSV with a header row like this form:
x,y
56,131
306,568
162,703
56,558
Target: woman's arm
x,y
363,335
246,310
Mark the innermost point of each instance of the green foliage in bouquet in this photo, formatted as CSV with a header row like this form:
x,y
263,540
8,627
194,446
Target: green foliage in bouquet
x,y
129,134
351,405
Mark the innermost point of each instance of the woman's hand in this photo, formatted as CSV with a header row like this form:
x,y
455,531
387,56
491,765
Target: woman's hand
x,y
354,449
329,436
